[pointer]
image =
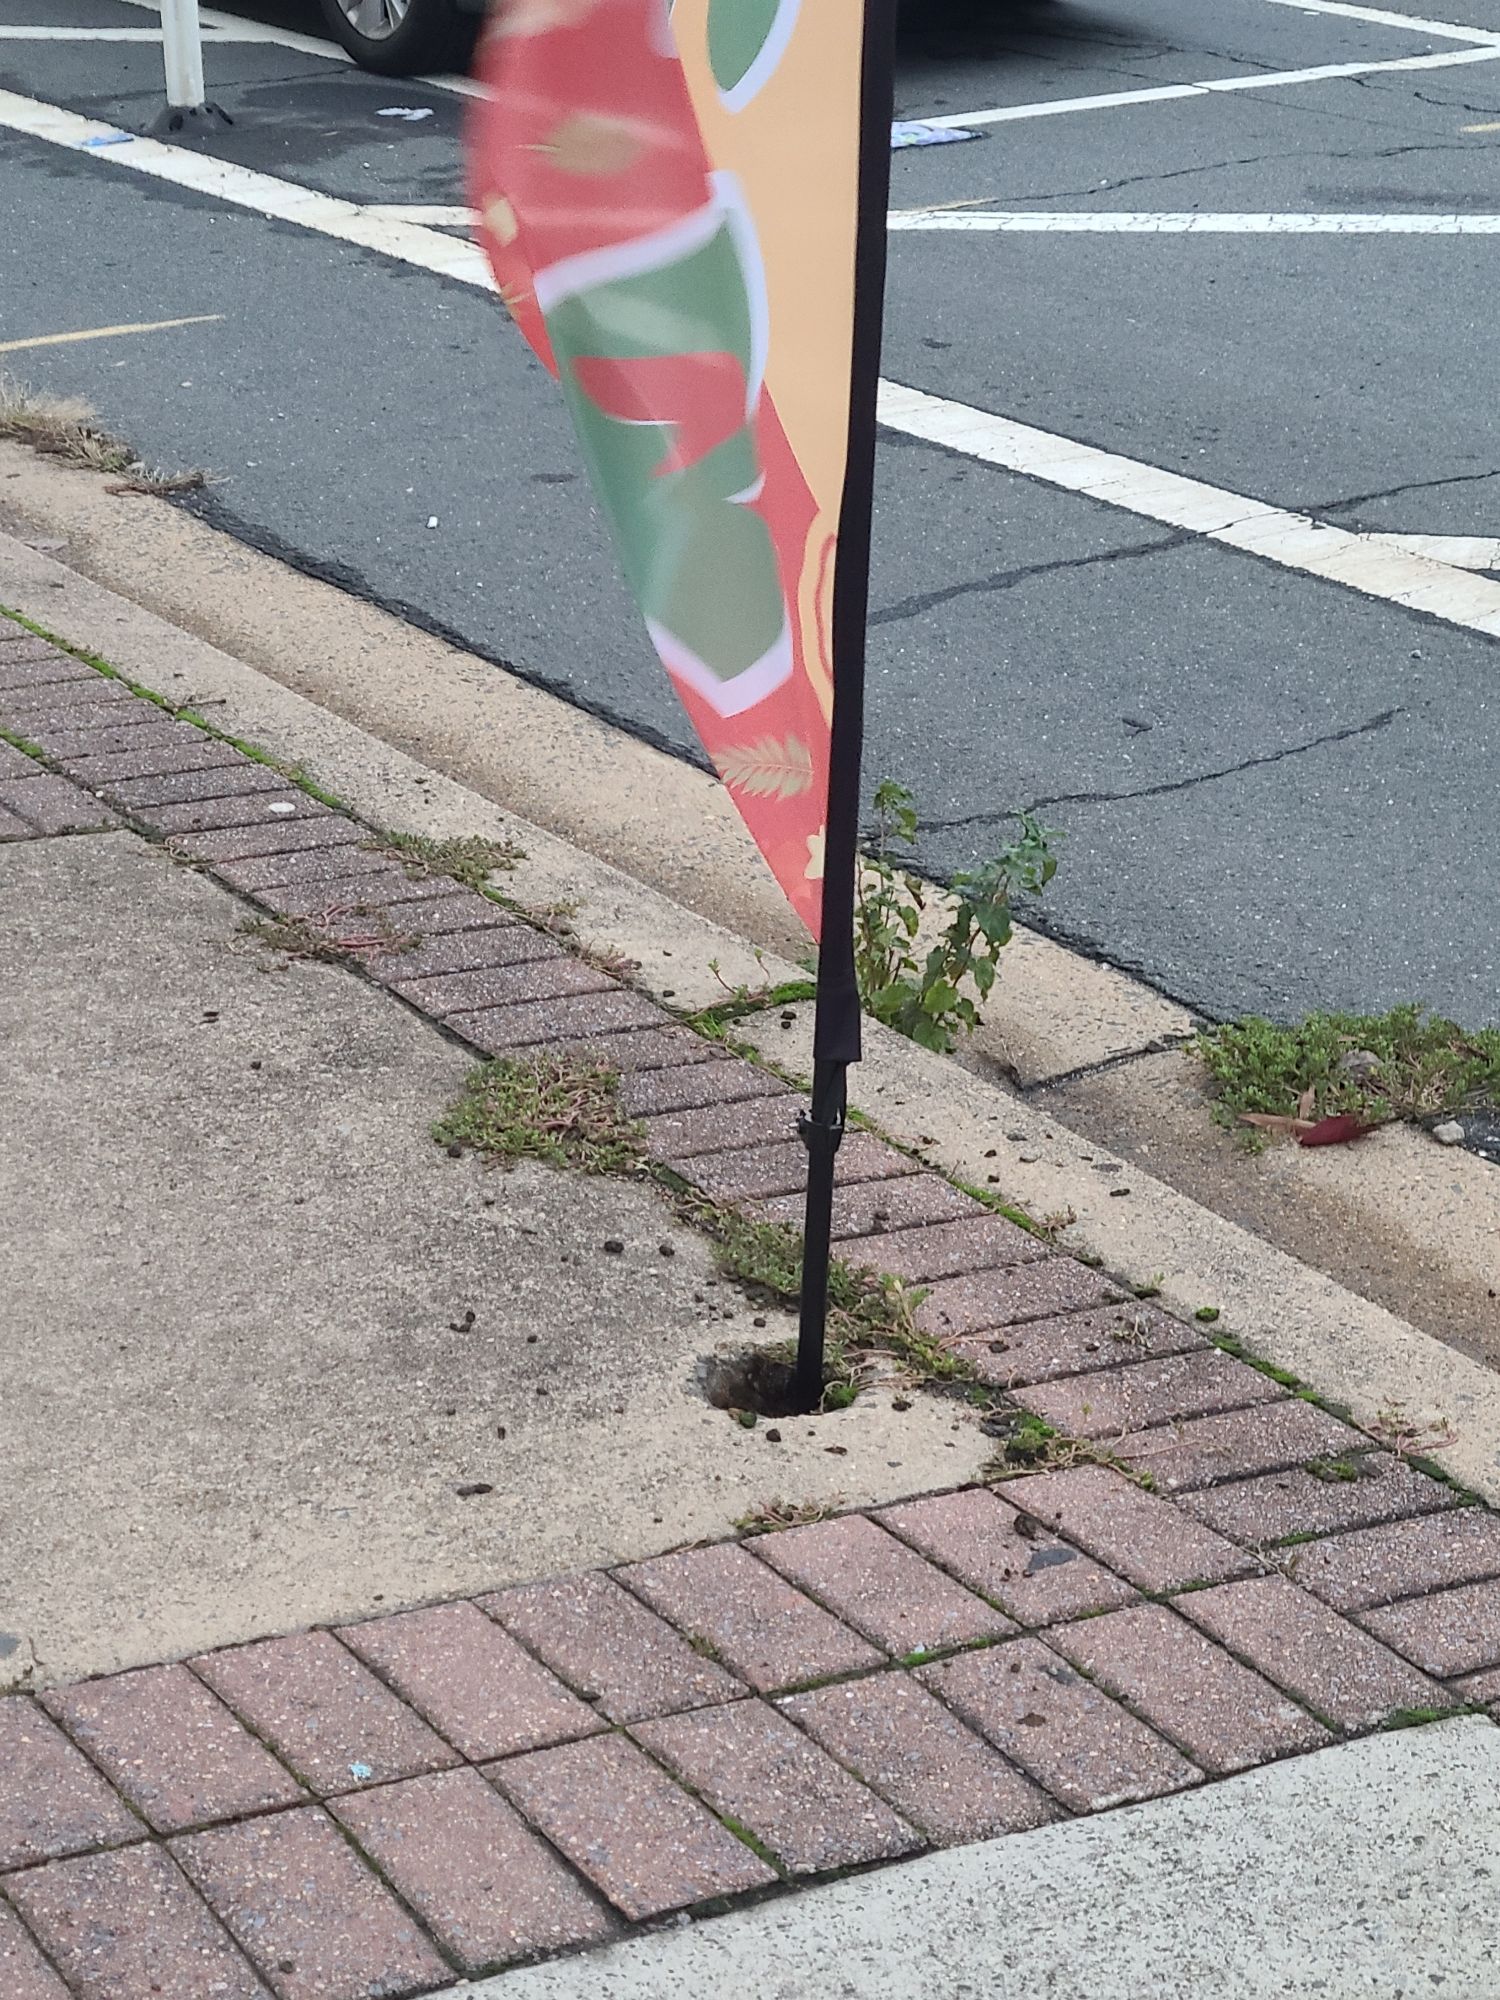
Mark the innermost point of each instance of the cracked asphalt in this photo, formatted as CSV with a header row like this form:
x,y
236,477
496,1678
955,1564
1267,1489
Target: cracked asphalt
x,y
1277,793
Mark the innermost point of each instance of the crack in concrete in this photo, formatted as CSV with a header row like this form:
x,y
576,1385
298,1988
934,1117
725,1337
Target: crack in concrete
x,y
1006,579
1368,728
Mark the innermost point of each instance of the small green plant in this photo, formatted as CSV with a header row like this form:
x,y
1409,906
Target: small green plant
x,y
1028,1441
1207,1314
468,858
1377,1067
1336,1471
922,992
543,1108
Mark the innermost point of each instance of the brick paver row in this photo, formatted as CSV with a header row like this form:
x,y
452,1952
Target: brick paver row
x,y
443,1791
529,1771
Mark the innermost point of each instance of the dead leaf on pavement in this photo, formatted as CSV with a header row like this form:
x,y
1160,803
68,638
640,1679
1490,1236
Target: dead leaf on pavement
x,y
1337,1131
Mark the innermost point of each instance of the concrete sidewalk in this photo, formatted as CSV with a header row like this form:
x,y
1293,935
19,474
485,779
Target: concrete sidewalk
x,y
274,1361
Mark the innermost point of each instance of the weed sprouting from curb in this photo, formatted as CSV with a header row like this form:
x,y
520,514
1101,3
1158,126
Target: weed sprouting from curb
x,y
744,1002
543,1108
63,427
60,427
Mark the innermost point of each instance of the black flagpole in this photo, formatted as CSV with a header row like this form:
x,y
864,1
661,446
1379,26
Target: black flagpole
x,y
836,1032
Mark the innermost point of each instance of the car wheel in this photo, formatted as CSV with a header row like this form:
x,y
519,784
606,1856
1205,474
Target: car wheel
x,y
400,37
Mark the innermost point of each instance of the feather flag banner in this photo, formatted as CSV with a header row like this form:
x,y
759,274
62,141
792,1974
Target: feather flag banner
x,y
684,202
672,195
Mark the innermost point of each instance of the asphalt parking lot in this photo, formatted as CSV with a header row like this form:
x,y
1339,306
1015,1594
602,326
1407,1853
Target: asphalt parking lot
x,y
1243,243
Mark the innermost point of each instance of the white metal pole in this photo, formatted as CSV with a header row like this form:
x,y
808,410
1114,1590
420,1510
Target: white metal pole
x,y
182,49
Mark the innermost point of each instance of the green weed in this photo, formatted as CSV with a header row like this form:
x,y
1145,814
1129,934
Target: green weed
x,y
468,858
543,1108
1407,1064
919,993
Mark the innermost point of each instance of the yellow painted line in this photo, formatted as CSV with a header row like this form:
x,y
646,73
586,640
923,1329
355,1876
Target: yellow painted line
x,y
105,332
1481,128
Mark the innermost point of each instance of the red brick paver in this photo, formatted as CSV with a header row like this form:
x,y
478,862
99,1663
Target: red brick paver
x,y
1086,1749
104,756
948,1249
610,1648
1033,1576
473,1683
880,1586
907,1746
235,779
317,1924
127,1926
757,1624
717,1128
1328,1664
1144,1538
1375,1565
537,1023
283,806
962,1306
324,1713
488,1888
1226,1717
52,1800
1074,1343
1179,1457
654,1093
884,1207
1479,1688
51,805
752,1765
474,948
622,1822
24,1973
314,831
1455,1632
544,973
632,1051
174,1750
1360,1491
323,866
1116,1401
778,1166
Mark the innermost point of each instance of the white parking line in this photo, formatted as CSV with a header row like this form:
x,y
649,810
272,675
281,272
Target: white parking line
x,y
1057,107
1295,541
1383,17
433,215
1189,222
286,201
1462,551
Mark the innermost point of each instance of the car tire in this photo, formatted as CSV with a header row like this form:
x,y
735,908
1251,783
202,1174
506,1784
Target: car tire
x,y
397,40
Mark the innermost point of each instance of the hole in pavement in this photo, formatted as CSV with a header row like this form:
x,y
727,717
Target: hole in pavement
x,y
752,1380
